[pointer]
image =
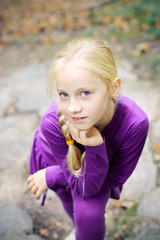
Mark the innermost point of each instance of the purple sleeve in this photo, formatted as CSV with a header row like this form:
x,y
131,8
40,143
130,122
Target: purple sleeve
x,y
94,172
95,165
127,156
55,177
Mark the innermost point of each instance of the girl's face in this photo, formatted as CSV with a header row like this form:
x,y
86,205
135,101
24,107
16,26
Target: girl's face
x,y
83,97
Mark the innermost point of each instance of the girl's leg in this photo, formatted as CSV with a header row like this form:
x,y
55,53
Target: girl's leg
x,y
67,201
89,216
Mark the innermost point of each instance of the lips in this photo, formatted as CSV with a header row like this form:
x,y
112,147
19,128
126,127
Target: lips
x,y
78,119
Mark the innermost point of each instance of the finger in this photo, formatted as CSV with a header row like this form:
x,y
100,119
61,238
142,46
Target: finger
x,y
34,190
31,185
83,136
75,132
38,194
30,178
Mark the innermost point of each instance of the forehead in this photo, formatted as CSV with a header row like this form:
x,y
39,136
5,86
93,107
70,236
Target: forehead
x,y
71,76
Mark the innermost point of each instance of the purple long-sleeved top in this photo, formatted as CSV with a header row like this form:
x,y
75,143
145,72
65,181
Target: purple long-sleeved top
x,y
107,166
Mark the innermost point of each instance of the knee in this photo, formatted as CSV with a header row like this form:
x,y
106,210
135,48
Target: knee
x,y
89,217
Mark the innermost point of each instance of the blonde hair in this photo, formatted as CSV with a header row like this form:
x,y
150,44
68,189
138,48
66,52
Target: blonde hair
x,y
75,156
92,55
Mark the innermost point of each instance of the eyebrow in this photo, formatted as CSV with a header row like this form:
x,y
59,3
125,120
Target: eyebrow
x,y
59,90
78,90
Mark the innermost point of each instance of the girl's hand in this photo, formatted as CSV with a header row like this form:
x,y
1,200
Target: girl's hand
x,y
90,137
37,183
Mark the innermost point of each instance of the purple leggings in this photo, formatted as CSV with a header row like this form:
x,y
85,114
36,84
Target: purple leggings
x,y
87,214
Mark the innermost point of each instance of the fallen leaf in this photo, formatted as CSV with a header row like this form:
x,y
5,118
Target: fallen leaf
x,y
124,226
137,53
118,203
63,226
144,47
157,148
109,212
47,41
106,20
83,14
149,219
116,235
10,111
55,223
44,232
2,48
114,40
141,49
55,236
34,217
156,157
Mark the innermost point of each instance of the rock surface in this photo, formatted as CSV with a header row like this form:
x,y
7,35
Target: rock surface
x,y
150,205
15,223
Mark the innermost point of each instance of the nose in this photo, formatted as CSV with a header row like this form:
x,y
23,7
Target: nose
x,y
74,106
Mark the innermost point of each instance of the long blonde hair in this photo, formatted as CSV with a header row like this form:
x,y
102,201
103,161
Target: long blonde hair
x,y
92,55
75,156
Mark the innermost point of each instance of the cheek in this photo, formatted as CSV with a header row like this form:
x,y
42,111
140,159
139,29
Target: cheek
x,y
93,112
98,109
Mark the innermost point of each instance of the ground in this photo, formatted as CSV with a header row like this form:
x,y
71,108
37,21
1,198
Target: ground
x,y
19,55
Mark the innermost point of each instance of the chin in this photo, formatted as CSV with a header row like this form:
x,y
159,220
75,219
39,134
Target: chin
x,y
83,128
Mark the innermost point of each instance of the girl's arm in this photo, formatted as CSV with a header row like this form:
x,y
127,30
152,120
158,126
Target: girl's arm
x,y
37,183
95,165
50,177
125,159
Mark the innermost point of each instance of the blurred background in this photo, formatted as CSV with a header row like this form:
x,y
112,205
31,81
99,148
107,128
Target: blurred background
x,y
31,32
131,26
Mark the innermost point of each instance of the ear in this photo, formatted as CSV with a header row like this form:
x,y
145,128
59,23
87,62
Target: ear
x,y
115,89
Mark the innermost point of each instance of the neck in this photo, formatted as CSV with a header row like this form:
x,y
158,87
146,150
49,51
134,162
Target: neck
x,y
109,116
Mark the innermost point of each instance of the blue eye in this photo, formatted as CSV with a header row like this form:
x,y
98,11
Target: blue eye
x,y
64,95
85,93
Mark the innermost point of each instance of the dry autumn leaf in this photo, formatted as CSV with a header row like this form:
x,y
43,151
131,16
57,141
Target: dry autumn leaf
x,y
32,17
47,41
55,223
156,157
118,203
106,20
55,236
44,232
141,49
10,111
116,235
144,47
137,53
124,226
157,148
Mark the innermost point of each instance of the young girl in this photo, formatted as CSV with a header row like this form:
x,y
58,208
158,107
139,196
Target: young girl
x,y
89,140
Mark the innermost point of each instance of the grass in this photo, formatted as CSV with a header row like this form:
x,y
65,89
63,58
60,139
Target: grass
x,y
123,225
151,61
